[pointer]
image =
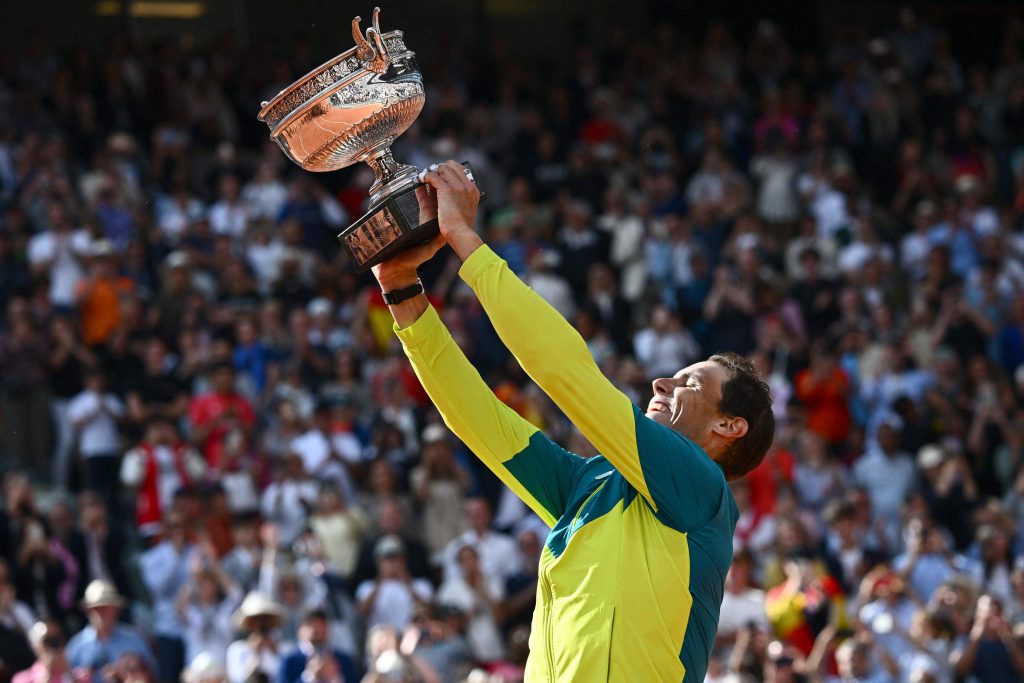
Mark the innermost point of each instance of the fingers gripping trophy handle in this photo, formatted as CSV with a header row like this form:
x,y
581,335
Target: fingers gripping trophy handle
x,y
391,226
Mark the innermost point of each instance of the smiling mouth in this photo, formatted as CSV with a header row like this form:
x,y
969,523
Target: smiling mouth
x,y
659,406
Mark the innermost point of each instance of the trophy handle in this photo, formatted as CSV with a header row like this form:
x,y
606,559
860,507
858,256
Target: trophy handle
x,y
376,21
364,51
375,60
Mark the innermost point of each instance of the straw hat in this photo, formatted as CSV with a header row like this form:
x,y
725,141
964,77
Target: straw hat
x,y
203,668
257,604
100,593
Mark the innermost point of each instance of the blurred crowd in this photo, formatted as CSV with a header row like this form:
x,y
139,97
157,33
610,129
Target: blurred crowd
x,y
219,466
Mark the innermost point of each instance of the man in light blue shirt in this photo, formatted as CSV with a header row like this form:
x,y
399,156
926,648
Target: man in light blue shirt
x,y
165,569
104,640
889,475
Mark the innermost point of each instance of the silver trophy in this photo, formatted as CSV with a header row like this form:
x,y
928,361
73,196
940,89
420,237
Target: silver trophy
x,y
351,109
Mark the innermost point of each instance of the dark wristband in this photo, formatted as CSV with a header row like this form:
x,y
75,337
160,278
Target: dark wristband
x,y
397,296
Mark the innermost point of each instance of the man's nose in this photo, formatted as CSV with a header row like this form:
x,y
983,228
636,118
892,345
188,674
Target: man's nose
x,y
662,385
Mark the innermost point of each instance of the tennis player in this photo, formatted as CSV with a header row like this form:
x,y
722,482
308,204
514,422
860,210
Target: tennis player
x,y
631,577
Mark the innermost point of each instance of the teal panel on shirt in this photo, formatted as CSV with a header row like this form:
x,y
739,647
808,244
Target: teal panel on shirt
x,y
599,488
685,483
547,471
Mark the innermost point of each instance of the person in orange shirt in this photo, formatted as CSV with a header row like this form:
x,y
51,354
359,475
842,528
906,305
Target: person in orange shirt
x,y
824,389
99,294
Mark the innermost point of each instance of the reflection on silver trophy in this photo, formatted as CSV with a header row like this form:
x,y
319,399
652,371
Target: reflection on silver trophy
x,y
351,109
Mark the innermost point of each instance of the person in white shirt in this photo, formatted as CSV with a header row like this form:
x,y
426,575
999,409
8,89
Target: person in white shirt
x,y
391,598
477,596
319,458
499,554
259,651
57,252
242,563
551,287
265,194
665,344
206,605
888,474
94,414
230,215
288,500
742,604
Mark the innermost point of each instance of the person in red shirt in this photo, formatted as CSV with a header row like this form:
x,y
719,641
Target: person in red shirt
x,y
824,389
215,415
764,480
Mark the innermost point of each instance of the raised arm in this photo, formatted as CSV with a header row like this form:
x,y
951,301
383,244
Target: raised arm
x,y
673,473
534,467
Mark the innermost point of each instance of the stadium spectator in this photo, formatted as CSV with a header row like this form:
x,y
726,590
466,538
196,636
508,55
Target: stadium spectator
x,y
391,596
51,662
105,639
313,658
258,653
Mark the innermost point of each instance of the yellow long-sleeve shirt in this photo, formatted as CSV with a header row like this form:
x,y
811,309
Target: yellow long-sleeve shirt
x,y
632,574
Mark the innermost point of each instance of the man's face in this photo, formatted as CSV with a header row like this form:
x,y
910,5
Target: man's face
x,y
224,381
391,519
315,631
478,514
103,616
688,402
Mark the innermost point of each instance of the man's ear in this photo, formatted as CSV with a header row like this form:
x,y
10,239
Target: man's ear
x,y
731,427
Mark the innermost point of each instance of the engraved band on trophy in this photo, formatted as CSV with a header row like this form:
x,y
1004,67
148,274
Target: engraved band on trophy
x,y
350,109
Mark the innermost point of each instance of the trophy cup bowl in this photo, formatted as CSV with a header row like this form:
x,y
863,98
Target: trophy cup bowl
x,y
351,109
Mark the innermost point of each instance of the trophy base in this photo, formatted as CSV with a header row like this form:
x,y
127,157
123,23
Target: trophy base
x,y
391,226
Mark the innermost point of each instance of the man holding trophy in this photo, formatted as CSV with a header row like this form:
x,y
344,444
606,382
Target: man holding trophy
x,y
632,575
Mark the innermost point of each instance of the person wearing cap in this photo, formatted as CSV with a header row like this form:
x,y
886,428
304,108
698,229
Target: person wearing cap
x,y
391,597
204,669
949,488
439,484
105,639
391,520
323,332
51,661
645,528
259,651
99,294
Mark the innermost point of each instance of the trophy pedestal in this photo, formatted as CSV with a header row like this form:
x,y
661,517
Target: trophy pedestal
x,y
389,227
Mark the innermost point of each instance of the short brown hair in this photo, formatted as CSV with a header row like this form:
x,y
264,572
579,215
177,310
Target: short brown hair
x,y
745,395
